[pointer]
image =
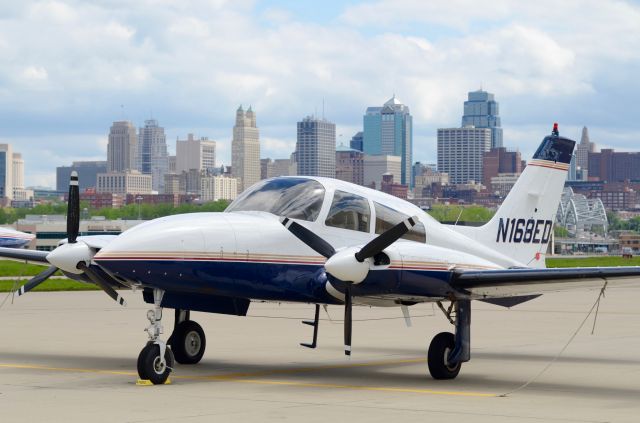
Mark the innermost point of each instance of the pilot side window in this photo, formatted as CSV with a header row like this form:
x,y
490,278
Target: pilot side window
x,y
349,211
387,217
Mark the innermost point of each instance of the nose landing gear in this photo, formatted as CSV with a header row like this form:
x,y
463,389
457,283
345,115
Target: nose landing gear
x,y
155,361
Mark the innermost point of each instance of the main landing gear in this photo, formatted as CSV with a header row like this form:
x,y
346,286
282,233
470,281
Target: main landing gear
x,y
186,344
447,351
187,340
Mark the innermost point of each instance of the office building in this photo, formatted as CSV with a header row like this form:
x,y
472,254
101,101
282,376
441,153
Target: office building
x,y
172,183
499,160
502,183
245,149
87,174
390,187
270,168
461,153
132,182
316,147
611,166
482,111
192,153
376,166
388,130
214,188
18,171
122,147
153,158
6,174
426,181
356,141
583,149
350,165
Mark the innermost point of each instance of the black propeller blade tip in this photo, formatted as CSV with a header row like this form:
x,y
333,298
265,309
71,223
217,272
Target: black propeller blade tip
x,y
73,209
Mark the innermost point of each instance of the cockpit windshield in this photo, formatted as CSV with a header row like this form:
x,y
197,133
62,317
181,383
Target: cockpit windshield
x,y
296,198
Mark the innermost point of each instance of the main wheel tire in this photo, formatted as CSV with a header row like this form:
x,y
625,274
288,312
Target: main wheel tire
x,y
188,342
439,350
150,366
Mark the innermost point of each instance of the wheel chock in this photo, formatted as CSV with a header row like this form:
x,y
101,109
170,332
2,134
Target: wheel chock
x,y
147,382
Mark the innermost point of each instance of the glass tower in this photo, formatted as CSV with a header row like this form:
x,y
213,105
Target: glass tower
x,y
482,111
388,130
153,158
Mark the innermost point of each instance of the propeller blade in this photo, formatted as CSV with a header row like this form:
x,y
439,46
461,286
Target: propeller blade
x,y
99,279
37,280
73,209
316,243
386,238
348,306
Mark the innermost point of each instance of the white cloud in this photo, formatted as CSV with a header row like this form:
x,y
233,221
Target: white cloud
x,y
193,62
35,73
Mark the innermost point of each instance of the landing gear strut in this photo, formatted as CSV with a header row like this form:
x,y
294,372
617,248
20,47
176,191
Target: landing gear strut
x,y
155,361
187,340
447,351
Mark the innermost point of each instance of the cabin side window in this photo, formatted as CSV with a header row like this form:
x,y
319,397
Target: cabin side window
x,y
349,211
387,217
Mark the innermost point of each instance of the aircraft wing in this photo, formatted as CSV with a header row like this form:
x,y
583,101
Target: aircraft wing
x,y
518,282
22,254
94,241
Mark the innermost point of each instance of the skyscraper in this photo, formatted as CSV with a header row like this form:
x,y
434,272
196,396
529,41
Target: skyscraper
x,y
482,111
350,165
122,147
152,153
6,173
245,149
460,153
316,147
499,160
356,141
388,130
582,153
18,171
87,174
192,153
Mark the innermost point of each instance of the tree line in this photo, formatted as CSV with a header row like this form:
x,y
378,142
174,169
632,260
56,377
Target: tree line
x,y
10,215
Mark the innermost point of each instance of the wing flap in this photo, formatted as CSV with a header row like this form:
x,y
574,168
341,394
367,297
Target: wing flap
x,y
516,282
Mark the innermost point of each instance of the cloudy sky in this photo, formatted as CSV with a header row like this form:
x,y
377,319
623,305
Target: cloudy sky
x,y
70,68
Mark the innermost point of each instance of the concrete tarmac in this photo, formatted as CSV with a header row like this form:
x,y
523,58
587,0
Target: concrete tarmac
x,y
71,356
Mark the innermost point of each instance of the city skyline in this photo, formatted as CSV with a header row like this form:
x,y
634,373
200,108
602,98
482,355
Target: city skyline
x,y
72,68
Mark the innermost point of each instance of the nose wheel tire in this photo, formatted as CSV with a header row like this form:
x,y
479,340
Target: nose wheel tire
x,y
439,350
151,367
188,342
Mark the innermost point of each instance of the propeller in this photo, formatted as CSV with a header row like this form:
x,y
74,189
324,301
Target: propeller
x,y
37,280
73,209
74,256
349,265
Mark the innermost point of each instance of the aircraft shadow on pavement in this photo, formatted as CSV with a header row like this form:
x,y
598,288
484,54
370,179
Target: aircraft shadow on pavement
x,y
379,374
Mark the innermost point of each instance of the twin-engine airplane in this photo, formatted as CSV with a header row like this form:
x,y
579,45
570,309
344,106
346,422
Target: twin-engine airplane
x,y
324,241
10,238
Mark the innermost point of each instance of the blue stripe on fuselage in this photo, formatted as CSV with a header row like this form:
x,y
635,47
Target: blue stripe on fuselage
x,y
271,281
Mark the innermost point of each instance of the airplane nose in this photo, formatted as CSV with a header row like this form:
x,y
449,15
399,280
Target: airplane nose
x,y
168,237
